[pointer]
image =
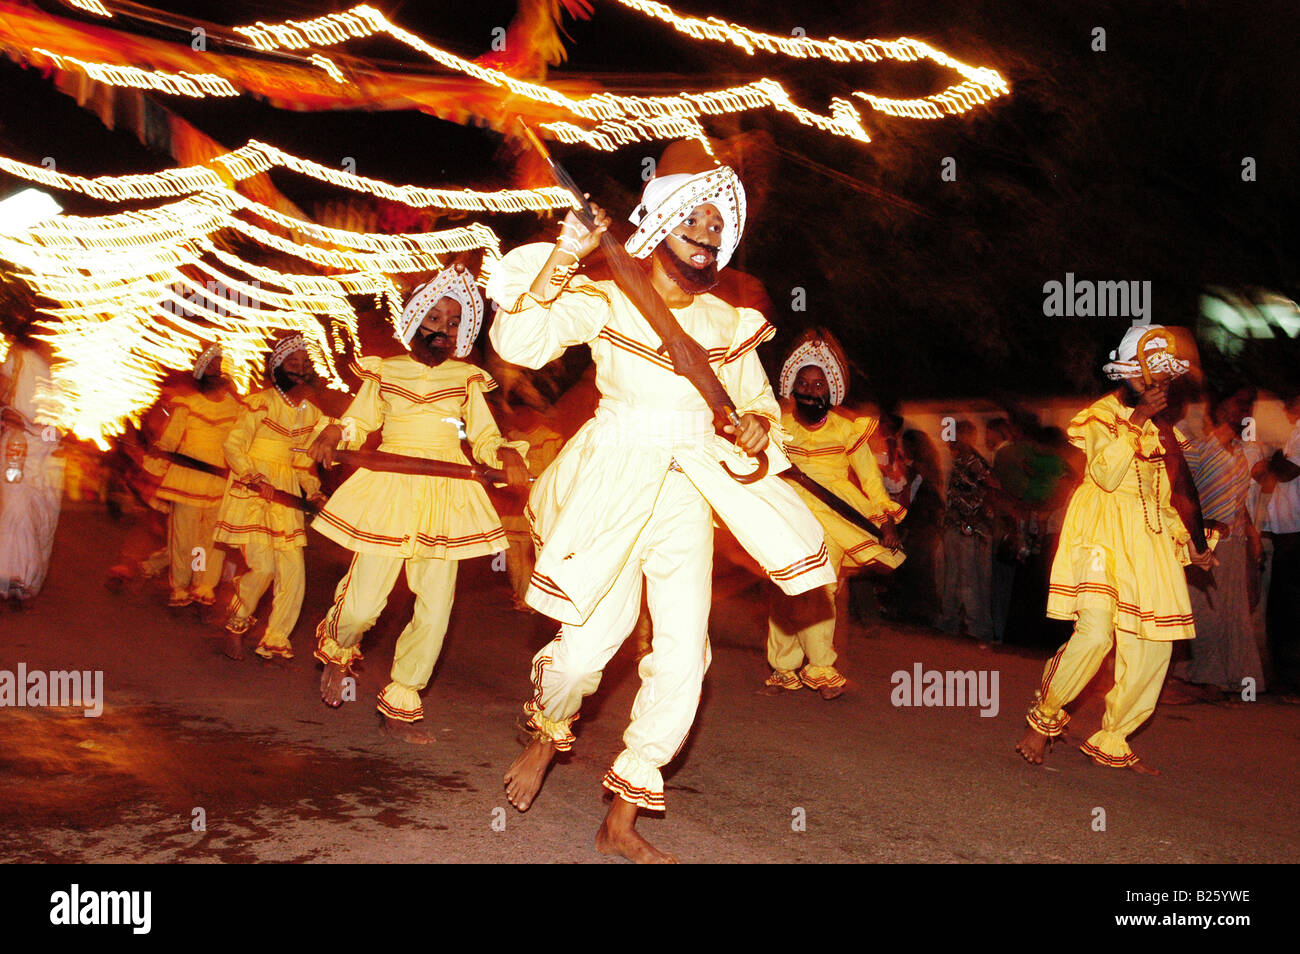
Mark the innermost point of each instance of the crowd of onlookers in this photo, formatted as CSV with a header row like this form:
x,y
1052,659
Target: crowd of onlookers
x,y
980,543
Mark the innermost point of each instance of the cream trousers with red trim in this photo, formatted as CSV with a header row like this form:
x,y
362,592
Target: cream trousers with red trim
x,y
359,599
289,572
1140,666
189,533
674,554
802,628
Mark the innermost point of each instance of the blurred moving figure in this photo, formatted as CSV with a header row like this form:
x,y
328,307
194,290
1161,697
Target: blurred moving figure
x,y
199,424
1283,524
31,482
271,534
968,539
527,426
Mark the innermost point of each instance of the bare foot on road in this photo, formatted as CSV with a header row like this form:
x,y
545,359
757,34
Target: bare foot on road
x,y
526,773
407,732
331,684
618,836
1033,747
233,646
1143,769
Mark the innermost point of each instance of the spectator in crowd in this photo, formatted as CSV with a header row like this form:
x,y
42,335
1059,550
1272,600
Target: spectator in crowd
x,y
968,539
1223,654
1054,469
913,592
888,453
1283,524
1006,459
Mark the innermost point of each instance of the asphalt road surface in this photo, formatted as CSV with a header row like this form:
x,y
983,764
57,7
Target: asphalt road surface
x,y
197,758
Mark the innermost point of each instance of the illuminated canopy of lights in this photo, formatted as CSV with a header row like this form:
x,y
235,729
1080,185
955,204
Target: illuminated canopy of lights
x,y
258,157
609,120
24,209
139,292
619,119
128,307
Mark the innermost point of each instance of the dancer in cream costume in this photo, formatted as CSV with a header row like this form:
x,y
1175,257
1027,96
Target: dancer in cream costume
x,y
826,444
633,494
1118,571
272,535
425,525
198,426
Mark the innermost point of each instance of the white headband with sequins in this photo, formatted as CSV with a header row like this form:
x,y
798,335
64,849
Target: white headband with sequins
x,y
286,347
449,283
205,359
819,354
668,200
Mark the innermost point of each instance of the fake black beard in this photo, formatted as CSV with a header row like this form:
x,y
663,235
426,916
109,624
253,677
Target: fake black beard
x,y
811,410
211,383
286,383
692,280
431,349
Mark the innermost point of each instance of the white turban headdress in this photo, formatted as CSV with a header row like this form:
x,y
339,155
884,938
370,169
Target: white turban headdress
x,y
286,347
210,354
449,283
818,353
668,200
1124,361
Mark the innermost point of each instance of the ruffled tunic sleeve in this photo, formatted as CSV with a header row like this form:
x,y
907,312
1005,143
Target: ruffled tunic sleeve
x,y
366,412
531,332
170,439
1110,443
743,377
481,427
240,439
863,461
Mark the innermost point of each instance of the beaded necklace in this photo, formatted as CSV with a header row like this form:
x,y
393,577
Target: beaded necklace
x,y
1155,498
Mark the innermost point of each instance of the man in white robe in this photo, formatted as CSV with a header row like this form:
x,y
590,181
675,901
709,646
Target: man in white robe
x,y
633,494
31,481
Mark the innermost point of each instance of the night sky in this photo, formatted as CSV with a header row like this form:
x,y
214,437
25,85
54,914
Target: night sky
x,y
1115,165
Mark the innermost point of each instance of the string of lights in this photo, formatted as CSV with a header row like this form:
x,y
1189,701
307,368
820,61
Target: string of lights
x,y
256,158
980,85
91,6
617,120
196,85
